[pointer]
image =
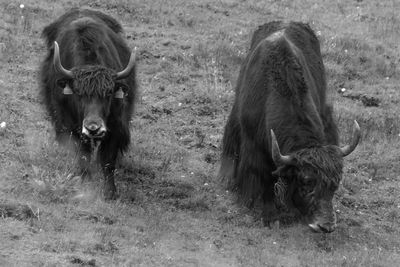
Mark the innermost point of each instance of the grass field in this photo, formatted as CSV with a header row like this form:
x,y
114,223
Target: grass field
x,y
171,209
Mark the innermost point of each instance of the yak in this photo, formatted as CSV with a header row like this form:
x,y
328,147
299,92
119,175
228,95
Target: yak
x,y
280,143
88,84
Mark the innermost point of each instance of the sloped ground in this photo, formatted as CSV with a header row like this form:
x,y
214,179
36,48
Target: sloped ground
x,y
172,211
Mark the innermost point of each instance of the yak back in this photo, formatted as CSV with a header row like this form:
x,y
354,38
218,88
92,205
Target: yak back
x,y
52,31
282,87
87,37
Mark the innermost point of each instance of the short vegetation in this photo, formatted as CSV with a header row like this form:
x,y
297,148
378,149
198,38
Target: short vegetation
x,y
171,209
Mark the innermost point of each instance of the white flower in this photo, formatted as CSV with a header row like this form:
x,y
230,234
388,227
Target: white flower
x,y
21,6
3,124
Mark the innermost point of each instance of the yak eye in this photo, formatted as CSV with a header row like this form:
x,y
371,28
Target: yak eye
x,y
308,182
61,83
64,82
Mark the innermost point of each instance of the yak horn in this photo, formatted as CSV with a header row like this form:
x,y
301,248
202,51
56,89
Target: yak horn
x,y
57,63
277,157
132,61
347,149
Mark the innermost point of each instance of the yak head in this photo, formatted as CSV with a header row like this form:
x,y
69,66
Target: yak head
x,y
308,179
93,87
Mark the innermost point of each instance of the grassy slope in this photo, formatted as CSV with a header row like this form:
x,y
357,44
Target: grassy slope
x,y
171,210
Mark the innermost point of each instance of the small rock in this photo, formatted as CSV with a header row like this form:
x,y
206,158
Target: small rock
x,y
218,243
185,47
166,42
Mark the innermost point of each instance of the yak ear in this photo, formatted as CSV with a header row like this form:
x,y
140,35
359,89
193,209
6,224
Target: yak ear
x,y
67,90
119,93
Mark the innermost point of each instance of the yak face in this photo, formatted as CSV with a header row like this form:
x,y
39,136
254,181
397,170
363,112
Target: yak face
x,y
92,90
309,177
309,184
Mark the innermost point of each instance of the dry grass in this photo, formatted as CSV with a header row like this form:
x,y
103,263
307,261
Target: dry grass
x,y
171,210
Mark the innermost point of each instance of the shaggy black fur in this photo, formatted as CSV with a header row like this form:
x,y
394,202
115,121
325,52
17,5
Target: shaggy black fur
x,y
282,86
93,81
92,47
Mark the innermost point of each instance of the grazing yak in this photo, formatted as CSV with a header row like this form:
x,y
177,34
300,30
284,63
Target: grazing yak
x,y
280,143
89,87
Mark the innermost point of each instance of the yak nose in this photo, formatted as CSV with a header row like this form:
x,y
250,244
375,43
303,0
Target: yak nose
x,y
93,128
327,227
323,227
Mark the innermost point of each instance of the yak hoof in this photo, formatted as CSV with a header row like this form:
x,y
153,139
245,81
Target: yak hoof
x,y
110,192
275,225
110,195
272,224
270,215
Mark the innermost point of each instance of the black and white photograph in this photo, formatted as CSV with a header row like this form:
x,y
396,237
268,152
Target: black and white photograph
x,y
200,133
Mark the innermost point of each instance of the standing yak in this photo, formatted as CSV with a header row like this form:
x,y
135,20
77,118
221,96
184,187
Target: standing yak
x,y
280,105
89,87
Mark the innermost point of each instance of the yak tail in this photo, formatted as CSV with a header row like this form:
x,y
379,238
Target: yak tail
x,y
230,150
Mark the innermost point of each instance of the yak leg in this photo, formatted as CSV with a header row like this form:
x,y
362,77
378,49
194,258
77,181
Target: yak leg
x,y
231,147
79,146
255,179
108,155
85,151
250,171
270,213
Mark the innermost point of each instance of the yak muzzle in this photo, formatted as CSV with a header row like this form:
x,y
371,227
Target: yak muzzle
x,y
324,219
93,128
325,228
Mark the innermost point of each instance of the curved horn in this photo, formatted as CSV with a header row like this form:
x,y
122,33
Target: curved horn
x,y
347,149
277,157
132,61
57,63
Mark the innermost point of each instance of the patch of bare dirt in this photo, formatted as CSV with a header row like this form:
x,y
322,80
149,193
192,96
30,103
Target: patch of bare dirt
x,y
17,210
